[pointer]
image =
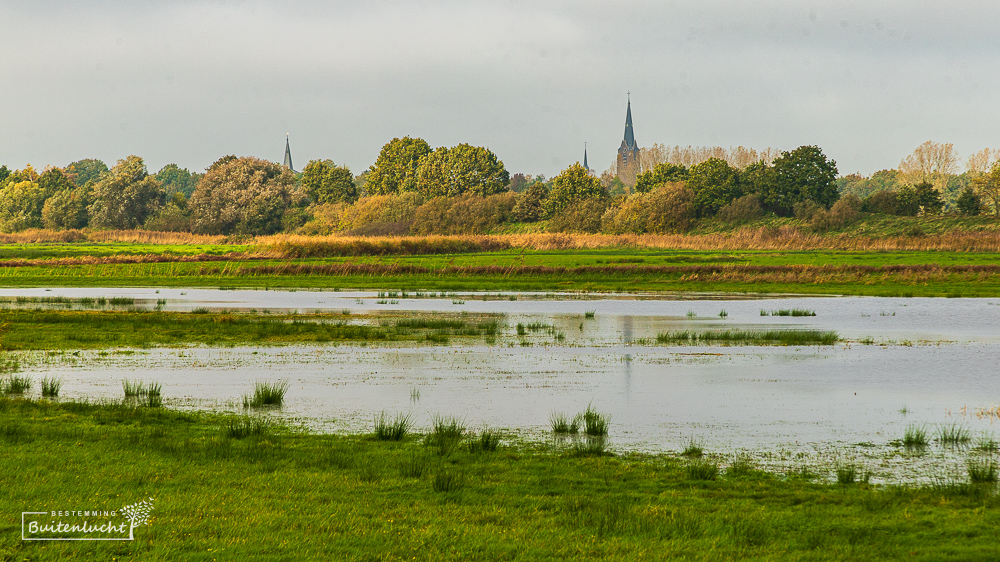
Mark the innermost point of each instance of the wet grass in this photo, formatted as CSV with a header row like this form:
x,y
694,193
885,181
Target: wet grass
x,y
788,312
595,423
526,502
981,470
65,329
16,384
562,424
953,435
693,449
487,441
915,436
392,429
51,386
267,394
750,337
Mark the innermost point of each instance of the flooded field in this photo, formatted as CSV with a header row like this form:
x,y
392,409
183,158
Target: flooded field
x,y
904,363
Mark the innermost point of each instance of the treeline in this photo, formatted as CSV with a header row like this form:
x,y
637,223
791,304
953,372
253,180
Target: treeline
x,y
414,189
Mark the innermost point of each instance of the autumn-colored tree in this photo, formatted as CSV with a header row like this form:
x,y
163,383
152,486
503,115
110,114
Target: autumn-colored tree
x,y
988,186
660,174
21,206
571,185
463,169
177,180
326,182
243,196
395,169
125,196
714,183
86,171
66,209
529,205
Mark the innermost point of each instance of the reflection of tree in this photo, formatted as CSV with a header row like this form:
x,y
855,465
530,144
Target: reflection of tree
x,y
137,514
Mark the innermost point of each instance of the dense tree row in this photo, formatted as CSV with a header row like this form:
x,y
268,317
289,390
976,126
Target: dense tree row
x,y
412,188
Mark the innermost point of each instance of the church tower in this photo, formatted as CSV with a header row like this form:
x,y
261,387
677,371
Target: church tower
x,y
585,166
628,153
288,156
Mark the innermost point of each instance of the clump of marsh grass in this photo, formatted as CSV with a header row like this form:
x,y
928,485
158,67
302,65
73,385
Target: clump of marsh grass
x,y
395,429
702,470
487,441
133,388
915,436
153,397
953,435
267,394
595,423
446,432
592,446
448,481
241,427
986,443
413,466
847,474
693,450
563,425
723,313
590,314
742,465
982,470
17,384
51,386
788,312
751,337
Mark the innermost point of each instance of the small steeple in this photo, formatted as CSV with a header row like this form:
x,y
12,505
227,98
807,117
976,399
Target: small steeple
x,y
585,166
629,135
288,156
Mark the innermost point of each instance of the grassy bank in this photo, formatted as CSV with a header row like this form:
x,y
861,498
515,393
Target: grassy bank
x,y
222,493
100,329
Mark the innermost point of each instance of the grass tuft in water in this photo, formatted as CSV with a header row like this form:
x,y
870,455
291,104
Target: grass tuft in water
x,y
561,424
133,388
267,394
986,443
590,314
982,470
595,423
915,436
742,465
847,474
953,435
693,450
723,313
51,386
17,384
395,429
751,337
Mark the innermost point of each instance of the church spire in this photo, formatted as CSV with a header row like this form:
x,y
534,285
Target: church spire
x,y
288,156
585,166
629,135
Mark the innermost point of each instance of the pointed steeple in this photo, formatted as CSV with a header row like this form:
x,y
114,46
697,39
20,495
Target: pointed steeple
x,y
629,135
585,166
288,156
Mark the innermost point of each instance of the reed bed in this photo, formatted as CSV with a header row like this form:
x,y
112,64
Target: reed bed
x,y
785,237
750,337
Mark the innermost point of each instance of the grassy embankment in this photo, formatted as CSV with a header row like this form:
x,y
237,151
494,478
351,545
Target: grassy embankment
x,y
767,258
280,494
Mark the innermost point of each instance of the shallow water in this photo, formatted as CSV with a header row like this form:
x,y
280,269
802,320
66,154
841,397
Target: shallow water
x,y
789,406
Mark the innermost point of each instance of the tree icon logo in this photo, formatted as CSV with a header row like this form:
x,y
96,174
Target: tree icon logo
x,y
137,514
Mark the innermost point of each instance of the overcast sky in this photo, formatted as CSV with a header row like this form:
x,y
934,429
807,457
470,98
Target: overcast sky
x,y
188,82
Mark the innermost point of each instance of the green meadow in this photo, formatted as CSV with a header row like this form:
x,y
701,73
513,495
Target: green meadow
x,y
237,488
